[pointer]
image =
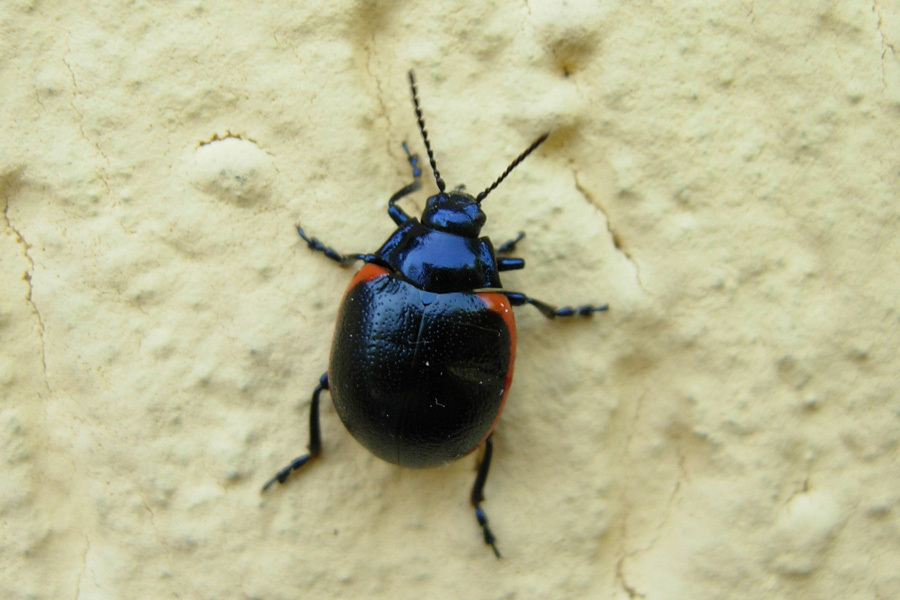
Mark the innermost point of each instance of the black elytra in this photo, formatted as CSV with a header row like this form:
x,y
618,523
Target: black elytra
x,y
425,341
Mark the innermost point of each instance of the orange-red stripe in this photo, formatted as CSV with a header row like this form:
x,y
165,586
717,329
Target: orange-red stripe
x,y
498,303
368,272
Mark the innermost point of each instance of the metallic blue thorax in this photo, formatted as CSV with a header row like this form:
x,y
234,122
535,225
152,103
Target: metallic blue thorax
x,y
440,262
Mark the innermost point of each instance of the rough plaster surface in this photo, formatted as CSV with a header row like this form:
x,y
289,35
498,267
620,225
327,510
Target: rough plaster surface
x,y
724,174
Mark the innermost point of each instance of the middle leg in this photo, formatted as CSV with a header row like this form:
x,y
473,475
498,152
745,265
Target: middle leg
x,y
342,259
510,245
510,264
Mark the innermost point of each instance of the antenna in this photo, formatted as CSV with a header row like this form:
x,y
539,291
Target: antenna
x,y
512,166
437,176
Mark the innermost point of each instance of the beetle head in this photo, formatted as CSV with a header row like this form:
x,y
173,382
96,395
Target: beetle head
x,y
457,212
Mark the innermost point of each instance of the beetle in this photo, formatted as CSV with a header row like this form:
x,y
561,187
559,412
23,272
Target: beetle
x,y
425,341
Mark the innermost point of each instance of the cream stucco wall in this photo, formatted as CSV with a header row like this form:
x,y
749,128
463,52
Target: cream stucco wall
x,y
724,174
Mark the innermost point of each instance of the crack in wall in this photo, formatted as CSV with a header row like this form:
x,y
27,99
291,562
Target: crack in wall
x,y
620,577
885,45
101,171
83,570
380,91
625,554
20,240
616,240
667,514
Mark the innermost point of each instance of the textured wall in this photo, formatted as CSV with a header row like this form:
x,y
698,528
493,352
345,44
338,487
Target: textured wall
x,y
724,174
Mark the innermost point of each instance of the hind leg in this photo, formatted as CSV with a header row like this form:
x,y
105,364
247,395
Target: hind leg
x,y
315,437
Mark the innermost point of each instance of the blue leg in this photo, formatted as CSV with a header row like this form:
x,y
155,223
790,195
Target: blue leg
x,y
551,312
477,496
509,246
342,259
510,264
397,213
315,437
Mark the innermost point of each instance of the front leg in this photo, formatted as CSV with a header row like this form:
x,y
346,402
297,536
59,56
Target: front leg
x,y
397,214
551,312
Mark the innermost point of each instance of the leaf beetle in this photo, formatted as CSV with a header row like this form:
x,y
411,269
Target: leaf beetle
x,y
425,341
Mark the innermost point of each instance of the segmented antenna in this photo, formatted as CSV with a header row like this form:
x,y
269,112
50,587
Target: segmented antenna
x,y
512,166
437,176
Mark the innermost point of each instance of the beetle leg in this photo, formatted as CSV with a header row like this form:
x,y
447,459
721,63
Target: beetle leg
x,y
510,245
551,312
510,264
342,259
315,437
477,496
397,214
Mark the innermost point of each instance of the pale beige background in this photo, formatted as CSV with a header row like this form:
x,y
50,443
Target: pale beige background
x,y
724,174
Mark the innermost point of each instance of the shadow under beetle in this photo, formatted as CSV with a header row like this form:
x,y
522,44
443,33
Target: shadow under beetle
x,y
421,363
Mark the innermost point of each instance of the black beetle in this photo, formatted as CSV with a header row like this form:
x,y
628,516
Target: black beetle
x,y
421,362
